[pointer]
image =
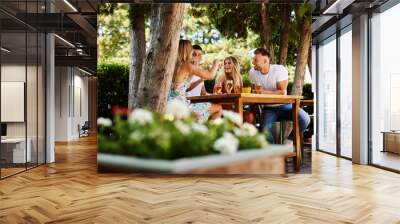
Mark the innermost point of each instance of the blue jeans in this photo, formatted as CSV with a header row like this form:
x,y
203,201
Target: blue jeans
x,y
283,112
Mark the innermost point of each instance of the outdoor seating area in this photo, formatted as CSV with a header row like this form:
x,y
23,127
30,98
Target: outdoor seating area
x,y
210,77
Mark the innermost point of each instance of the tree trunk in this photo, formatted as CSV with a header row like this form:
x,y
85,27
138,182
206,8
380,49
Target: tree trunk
x,y
310,61
302,57
266,30
137,51
159,65
285,32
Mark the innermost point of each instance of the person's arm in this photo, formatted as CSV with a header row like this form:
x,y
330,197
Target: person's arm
x,y
194,84
204,74
280,88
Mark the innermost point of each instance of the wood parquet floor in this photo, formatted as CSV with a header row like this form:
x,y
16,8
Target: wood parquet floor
x,y
71,191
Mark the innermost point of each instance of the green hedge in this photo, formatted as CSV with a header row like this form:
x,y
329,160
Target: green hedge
x,y
113,87
307,90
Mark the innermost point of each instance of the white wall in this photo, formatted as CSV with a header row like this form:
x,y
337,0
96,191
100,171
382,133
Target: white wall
x,y
71,94
62,81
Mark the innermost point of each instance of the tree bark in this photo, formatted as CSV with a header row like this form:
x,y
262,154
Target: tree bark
x,y
310,61
137,51
285,32
266,30
159,65
302,56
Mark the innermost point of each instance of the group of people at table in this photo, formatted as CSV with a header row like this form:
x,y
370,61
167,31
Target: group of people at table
x,y
270,78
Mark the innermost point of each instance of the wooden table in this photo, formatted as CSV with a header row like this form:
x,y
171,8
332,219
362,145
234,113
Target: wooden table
x,y
307,103
249,98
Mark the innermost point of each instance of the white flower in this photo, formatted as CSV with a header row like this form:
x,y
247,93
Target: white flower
x,y
237,132
182,127
217,121
177,108
249,130
200,128
233,117
227,144
141,117
263,142
101,121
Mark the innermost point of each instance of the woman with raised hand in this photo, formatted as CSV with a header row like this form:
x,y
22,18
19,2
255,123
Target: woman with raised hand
x,y
184,70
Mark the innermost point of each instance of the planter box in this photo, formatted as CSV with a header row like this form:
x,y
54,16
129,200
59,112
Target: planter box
x,y
261,161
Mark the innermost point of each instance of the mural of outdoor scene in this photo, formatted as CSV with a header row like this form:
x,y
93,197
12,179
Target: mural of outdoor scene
x,y
205,88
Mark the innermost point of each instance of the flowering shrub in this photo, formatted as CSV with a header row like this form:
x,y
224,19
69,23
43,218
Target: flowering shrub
x,y
176,134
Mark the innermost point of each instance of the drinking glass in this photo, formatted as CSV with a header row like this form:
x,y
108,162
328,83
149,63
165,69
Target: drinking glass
x,y
229,86
238,89
218,89
258,88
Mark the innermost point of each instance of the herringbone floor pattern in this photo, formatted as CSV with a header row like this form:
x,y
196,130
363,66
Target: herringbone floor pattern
x,y
71,191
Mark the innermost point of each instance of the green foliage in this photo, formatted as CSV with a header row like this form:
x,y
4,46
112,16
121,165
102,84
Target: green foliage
x,y
239,48
199,30
307,90
107,8
113,86
113,33
232,20
163,138
246,80
303,11
220,29
144,9
242,21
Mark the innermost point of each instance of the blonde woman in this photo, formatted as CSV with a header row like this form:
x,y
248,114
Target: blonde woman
x,y
184,70
231,80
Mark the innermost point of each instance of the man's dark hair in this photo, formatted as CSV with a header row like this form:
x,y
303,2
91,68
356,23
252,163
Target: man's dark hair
x,y
262,51
197,47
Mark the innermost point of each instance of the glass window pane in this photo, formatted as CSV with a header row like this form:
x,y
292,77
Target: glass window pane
x,y
32,97
15,150
346,94
385,84
22,87
41,98
327,96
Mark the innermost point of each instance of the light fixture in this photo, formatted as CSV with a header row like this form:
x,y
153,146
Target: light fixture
x,y
70,5
84,71
64,40
5,50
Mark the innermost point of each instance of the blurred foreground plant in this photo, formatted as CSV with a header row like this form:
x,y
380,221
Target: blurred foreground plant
x,y
176,134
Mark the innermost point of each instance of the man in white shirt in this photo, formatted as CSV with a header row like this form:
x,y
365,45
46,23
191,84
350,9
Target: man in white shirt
x,y
274,80
196,83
